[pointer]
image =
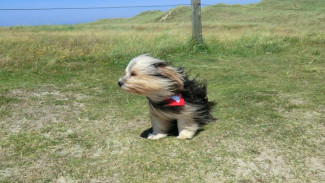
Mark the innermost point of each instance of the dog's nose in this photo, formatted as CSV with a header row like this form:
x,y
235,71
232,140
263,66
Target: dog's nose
x,y
120,83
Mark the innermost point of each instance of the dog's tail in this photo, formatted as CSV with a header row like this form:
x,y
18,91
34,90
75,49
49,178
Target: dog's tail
x,y
196,93
204,114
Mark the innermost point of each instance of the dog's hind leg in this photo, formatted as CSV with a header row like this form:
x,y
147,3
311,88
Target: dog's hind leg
x,y
186,128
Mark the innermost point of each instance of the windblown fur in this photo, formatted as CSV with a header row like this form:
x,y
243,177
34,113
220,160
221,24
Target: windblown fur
x,y
158,81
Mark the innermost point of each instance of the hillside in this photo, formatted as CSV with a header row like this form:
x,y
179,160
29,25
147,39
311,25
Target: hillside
x,y
288,12
318,5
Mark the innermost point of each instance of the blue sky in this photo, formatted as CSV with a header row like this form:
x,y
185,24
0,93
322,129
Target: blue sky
x,y
14,18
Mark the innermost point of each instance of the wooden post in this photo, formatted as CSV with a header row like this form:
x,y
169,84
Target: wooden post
x,y
196,21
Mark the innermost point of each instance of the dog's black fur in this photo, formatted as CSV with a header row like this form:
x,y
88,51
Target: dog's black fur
x,y
195,92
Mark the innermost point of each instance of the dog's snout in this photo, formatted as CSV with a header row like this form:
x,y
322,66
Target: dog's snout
x,y
120,83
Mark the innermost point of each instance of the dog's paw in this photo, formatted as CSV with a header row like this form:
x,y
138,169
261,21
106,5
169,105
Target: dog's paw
x,y
155,136
185,134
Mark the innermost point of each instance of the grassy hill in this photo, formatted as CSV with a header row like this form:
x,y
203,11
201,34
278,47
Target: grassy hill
x,y
312,5
289,12
64,119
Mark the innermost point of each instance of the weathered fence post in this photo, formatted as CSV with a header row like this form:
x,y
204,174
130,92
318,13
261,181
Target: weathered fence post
x,y
196,21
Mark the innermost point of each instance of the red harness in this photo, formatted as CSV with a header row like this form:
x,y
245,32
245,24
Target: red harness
x,y
176,100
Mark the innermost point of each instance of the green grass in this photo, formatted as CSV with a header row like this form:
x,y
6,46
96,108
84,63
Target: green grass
x,y
63,117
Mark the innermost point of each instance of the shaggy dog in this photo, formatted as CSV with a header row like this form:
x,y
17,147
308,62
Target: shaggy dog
x,y
174,100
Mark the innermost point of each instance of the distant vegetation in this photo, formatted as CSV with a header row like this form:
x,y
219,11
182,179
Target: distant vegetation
x,y
64,119
290,12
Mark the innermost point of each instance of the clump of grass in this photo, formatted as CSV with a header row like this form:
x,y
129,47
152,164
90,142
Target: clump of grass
x,y
27,144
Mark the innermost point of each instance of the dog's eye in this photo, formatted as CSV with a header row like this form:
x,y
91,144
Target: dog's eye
x,y
133,74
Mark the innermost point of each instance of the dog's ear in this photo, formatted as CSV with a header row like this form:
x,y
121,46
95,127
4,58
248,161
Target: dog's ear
x,y
160,64
171,73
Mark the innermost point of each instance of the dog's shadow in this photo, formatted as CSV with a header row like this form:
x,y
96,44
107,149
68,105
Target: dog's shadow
x,y
173,133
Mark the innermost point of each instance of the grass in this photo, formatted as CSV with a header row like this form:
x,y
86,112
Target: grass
x,y
63,117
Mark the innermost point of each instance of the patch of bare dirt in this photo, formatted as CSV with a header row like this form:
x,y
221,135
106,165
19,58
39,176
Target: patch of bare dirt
x,y
317,166
38,108
164,18
267,163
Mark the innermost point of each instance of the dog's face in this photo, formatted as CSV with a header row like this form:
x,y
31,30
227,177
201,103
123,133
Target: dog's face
x,y
151,77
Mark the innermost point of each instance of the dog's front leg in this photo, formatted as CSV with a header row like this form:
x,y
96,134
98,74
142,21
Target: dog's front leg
x,y
159,128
